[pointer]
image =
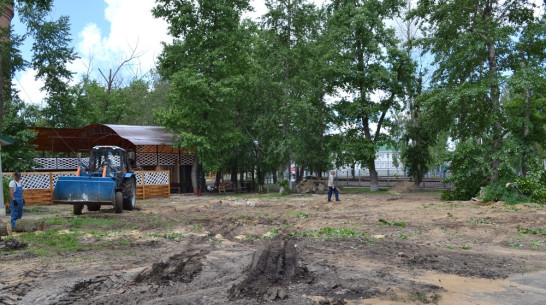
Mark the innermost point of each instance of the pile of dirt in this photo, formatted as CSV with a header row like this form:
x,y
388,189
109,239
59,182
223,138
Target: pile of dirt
x,y
178,268
312,185
403,187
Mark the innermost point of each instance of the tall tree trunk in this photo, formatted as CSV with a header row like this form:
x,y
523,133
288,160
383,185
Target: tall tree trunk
x,y
495,101
6,11
527,116
234,178
195,176
374,177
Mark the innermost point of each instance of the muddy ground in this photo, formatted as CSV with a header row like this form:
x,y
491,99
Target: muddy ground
x,y
385,248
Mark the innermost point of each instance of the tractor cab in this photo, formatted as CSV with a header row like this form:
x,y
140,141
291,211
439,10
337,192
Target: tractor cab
x,y
108,161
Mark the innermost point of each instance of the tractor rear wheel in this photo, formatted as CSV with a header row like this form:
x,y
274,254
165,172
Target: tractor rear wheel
x,y
118,204
77,209
129,194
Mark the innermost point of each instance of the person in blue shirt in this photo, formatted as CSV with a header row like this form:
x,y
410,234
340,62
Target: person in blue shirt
x,y
16,198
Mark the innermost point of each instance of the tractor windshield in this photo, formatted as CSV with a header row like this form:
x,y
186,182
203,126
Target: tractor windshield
x,y
102,157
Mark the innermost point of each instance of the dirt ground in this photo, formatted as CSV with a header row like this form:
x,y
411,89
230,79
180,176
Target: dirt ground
x,y
387,248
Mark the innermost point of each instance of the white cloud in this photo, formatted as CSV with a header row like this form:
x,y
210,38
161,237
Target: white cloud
x,y
29,88
132,29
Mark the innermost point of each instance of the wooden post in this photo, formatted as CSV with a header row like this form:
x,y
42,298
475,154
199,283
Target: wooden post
x,y
5,229
143,185
50,187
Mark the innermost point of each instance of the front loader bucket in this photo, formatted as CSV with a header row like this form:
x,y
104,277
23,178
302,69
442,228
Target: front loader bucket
x,y
84,189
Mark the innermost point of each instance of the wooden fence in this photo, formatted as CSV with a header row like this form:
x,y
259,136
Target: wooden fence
x,y
38,186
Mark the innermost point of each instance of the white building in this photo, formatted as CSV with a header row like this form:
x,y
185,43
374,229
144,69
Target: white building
x,y
386,160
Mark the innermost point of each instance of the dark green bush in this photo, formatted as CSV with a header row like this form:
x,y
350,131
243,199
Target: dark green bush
x,y
468,171
533,185
530,188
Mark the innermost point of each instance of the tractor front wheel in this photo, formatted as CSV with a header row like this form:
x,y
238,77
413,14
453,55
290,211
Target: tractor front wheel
x,y
78,209
129,194
118,204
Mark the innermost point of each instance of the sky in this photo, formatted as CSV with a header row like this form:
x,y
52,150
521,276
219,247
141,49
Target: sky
x,y
104,33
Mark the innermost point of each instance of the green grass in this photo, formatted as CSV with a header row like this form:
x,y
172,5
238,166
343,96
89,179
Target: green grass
x,y
35,210
52,241
365,190
515,245
67,238
79,222
328,232
393,223
532,231
166,235
301,215
425,299
486,220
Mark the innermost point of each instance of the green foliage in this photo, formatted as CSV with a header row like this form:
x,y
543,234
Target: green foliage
x,y
52,242
168,236
18,117
328,232
532,231
302,215
469,171
392,223
5,187
358,32
283,183
533,185
51,54
518,190
469,84
504,191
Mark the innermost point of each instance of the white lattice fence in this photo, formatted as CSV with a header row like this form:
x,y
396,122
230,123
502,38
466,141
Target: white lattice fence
x,y
186,159
144,159
59,163
153,184
167,159
152,178
147,159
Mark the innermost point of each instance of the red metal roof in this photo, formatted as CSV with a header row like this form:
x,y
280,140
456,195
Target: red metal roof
x,y
83,139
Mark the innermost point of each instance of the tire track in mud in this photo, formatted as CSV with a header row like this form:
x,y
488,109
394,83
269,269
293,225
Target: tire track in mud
x,y
272,269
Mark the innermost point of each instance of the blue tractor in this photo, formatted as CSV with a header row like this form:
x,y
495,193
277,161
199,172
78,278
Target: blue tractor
x,y
108,180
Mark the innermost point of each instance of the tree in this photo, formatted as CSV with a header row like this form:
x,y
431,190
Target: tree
x,y
17,120
51,54
291,86
203,67
371,69
470,40
525,98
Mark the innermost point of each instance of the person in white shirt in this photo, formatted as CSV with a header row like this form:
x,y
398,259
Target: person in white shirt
x,y
332,186
16,198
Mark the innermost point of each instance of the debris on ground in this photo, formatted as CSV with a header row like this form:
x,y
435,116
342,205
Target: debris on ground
x,y
11,245
312,185
403,187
